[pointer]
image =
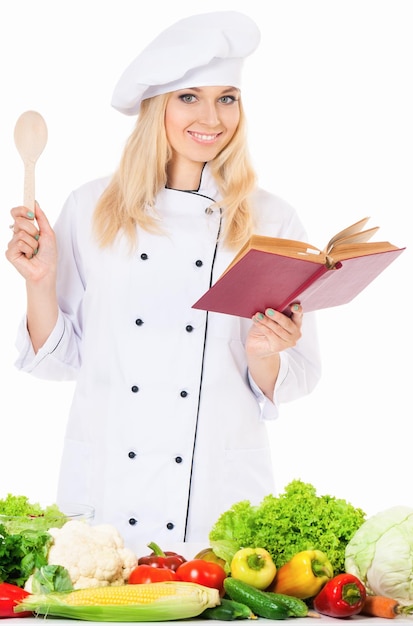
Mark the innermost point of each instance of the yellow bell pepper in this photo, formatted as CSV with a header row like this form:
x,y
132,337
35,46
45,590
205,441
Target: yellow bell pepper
x,y
304,575
253,566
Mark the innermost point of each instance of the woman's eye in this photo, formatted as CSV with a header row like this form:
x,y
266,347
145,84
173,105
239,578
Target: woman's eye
x,y
227,99
187,97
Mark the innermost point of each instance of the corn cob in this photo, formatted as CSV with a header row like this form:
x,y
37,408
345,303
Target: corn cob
x,y
152,602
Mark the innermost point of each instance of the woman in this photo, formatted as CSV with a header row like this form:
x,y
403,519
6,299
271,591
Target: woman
x,y
167,426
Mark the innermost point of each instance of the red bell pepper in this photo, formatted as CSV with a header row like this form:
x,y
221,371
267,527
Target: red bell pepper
x,y
159,558
10,596
342,596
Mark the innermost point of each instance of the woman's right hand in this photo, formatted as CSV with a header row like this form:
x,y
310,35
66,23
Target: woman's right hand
x,y
32,249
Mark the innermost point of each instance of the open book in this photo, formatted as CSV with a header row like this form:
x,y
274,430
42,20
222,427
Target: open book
x,y
272,272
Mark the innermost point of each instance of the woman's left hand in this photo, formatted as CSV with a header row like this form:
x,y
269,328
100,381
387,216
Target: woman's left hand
x,y
270,334
274,332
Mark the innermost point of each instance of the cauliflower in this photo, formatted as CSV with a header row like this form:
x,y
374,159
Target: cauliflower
x,y
94,556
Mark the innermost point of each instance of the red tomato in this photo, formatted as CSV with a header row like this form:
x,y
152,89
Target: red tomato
x,y
143,574
204,573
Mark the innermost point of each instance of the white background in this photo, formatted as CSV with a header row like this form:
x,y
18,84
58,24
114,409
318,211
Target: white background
x,y
330,106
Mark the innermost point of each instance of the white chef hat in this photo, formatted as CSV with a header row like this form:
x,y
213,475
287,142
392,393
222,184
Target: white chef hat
x,y
201,50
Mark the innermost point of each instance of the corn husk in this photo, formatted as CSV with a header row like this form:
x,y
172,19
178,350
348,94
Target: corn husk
x,y
162,601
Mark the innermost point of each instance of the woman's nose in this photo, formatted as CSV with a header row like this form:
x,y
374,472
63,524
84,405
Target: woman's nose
x,y
209,114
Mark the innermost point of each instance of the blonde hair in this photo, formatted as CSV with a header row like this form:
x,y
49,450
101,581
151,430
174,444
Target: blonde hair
x,y
130,197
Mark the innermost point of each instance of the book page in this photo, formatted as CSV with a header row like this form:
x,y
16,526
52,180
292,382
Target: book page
x,y
350,230
360,237
284,247
351,251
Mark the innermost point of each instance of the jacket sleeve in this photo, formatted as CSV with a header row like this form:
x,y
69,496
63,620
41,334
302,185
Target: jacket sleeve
x,y
57,359
60,356
300,371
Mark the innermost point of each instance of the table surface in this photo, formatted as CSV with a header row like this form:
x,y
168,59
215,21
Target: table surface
x,y
296,621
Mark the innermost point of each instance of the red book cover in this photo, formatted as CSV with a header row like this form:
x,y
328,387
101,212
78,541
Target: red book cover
x,y
260,279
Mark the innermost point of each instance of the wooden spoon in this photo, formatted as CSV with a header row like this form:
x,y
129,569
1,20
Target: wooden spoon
x,y
30,137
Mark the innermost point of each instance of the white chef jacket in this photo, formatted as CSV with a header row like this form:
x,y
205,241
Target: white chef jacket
x,y
166,430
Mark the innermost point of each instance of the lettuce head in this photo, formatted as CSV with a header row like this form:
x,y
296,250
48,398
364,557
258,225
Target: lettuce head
x,y
296,520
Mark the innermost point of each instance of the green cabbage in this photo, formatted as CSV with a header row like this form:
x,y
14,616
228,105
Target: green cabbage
x,y
380,554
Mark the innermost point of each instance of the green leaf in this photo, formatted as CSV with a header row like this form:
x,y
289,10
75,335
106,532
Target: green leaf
x,y
51,578
21,554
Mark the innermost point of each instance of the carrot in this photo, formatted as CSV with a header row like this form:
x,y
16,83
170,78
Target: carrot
x,y
383,606
380,606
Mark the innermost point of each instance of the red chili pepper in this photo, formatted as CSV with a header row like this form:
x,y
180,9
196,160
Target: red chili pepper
x,y
342,596
10,596
159,558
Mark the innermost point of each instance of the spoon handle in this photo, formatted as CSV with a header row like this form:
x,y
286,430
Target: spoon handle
x,y
29,185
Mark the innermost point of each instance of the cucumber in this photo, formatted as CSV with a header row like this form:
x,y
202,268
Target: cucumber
x,y
296,606
260,602
228,610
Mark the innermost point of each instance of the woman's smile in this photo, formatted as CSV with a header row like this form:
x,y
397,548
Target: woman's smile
x,y
204,137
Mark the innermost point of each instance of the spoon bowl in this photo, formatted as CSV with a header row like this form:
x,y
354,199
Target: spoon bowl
x,y
30,138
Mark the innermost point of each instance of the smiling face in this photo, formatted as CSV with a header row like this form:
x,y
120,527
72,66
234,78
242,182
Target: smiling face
x,y
199,123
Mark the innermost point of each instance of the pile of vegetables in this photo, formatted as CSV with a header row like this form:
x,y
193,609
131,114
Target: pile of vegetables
x,y
204,588
296,520
295,555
